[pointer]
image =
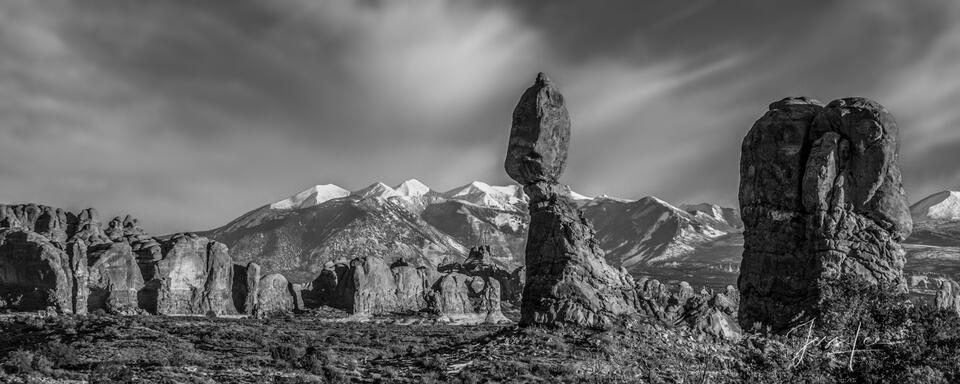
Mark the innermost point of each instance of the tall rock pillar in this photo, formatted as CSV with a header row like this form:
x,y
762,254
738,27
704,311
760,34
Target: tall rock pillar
x,y
821,198
567,279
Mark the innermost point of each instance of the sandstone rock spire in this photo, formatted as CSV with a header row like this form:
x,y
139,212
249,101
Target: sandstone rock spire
x,y
821,197
567,279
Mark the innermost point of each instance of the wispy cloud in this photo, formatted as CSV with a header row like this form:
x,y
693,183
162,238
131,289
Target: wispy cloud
x,y
187,113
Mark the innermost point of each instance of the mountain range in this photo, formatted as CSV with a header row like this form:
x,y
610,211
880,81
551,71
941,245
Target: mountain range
x,y
298,235
700,243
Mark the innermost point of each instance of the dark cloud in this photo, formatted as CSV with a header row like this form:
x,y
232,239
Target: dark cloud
x,y
188,113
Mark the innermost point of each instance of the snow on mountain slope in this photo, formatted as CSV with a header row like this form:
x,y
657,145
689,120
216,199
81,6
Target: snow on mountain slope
x,y
312,196
296,235
647,231
943,206
376,190
483,194
412,188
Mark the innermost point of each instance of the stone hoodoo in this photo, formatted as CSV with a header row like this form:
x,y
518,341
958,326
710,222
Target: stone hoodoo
x,y
821,197
114,278
195,276
567,279
273,294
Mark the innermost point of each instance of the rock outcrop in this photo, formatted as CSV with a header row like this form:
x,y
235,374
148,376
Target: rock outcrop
x,y
195,276
114,278
37,274
567,279
948,296
273,295
706,313
821,197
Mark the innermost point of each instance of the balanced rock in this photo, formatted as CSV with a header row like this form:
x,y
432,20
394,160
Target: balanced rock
x,y
37,274
539,136
195,276
567,279
114,278
821,197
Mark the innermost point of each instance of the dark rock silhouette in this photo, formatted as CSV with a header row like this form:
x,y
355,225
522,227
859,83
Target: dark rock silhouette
x,y
37,274
821,197
567,279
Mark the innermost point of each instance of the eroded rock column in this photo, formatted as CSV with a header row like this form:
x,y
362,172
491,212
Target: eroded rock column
x,y
821,198
567,279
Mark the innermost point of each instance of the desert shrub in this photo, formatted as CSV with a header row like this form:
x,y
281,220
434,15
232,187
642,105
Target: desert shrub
x,y
893,341
111,373
285,354
59,354
19,361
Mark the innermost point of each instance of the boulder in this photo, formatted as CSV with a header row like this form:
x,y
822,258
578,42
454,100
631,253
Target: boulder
x,y
273,295
370,287
195,276
706,313
37,274
539,135
948,296
114,278
567,279
821,197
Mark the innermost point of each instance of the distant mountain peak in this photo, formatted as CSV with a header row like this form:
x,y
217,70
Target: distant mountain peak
x,y
941,206
412,188
312,196
378,190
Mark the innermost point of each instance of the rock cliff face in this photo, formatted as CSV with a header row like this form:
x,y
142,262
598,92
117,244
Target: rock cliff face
x,y
821,197
114,278
567,279
195,276
37,274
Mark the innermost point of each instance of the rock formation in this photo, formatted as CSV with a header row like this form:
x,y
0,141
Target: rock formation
x,y
114,278
707,313
273,295
195,276
567,279
948,296
821,197
37,274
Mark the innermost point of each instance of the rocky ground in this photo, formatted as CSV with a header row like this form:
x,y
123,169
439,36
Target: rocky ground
x,y
321,347
316,348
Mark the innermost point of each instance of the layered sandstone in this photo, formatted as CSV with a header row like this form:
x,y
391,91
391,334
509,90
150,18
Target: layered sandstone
x,y
821,197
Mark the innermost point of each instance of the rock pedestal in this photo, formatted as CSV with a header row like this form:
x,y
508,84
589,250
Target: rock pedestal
x,y
821,197
567,279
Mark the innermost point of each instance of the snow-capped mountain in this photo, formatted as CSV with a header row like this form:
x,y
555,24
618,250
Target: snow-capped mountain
x,y
482,194
299,234
312,196
650,230
939,207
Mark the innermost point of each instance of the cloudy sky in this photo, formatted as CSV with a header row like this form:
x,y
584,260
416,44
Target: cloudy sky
x,y
188,113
